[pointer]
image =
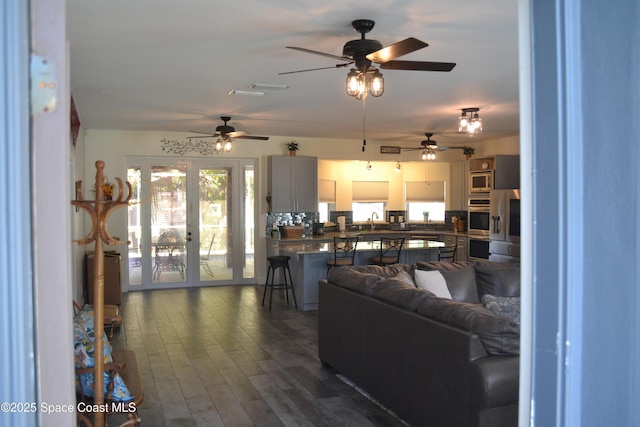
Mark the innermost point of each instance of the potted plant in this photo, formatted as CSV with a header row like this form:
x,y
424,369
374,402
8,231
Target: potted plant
x,y
293,146
468,152
107,191
425,215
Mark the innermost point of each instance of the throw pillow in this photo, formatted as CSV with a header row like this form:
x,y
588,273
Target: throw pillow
x,y
84,352
460,278
433,281
508,307
498,278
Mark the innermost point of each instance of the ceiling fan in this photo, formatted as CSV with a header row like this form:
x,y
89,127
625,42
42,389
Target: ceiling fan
x,y
363,52
227,132
428,144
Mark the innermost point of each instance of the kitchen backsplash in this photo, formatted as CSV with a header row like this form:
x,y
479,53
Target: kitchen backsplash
x,y
306,219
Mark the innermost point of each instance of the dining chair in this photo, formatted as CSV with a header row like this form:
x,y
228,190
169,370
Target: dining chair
x,y
390,249
447,253
169,254
344,252
204,259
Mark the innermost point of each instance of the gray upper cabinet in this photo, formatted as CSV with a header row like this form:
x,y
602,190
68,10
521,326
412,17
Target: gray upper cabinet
x,y
293,183
507,173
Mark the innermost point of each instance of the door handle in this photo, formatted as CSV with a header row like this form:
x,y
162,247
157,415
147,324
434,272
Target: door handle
x,y
496,224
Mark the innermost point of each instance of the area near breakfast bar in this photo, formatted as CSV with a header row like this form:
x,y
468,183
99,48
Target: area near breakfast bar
x,y
308,260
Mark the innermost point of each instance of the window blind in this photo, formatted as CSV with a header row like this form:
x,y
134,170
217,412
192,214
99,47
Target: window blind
x,y
370,191
420,191
327,191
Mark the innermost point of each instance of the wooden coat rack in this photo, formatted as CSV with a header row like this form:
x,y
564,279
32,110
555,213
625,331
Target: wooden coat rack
x,y
99,210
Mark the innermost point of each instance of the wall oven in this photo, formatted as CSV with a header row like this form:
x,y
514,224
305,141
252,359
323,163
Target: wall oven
x,y
478,248
479,216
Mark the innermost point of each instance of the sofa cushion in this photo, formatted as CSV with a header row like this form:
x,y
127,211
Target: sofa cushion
x,y
460,278
405,277
508,307
432,281
385,271
400,294
499,335
349,277
498,278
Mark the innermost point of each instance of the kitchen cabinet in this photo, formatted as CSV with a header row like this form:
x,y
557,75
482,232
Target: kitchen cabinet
x,y
459,171
460,242
461,252
293,183
505,168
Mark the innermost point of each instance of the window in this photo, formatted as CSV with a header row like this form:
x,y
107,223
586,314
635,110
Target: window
x,y
415,211
327,199
423,197
324,209
369,197
363,211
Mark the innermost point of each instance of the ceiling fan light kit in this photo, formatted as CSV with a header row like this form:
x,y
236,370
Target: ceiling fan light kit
x,y
470,122
360,84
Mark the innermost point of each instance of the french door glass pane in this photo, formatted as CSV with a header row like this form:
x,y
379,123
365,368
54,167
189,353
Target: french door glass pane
x,y
215,223
168,223
248,271
135,227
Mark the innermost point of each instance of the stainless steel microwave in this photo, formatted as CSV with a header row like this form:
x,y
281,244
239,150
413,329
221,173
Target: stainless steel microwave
x,y
481,182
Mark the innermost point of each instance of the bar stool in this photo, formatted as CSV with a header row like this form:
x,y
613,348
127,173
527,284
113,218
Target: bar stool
x,y
276,262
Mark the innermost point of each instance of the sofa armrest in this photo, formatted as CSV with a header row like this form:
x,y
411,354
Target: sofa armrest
x,y
495,381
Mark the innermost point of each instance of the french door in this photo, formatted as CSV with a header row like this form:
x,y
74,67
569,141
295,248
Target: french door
x,y
195,225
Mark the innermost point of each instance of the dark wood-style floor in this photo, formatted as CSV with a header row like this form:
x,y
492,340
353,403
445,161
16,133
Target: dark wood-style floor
x,y
215,357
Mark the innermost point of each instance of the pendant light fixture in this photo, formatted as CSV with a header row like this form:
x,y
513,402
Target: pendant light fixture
x,y
470,121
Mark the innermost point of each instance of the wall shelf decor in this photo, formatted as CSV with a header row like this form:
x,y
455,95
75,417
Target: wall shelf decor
x,y
389,149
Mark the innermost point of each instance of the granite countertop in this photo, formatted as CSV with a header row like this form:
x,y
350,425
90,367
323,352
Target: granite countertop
x,y
316,247
367,235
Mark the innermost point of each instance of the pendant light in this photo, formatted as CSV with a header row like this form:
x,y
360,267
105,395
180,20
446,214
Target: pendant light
x,y
469,121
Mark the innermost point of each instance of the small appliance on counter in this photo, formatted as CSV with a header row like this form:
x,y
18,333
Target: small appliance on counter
x,y
318,228
342,224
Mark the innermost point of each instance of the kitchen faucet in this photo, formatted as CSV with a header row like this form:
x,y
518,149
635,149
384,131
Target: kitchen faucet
x,y
372,224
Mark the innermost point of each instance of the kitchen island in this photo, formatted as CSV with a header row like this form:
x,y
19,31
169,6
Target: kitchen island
x,y
308,261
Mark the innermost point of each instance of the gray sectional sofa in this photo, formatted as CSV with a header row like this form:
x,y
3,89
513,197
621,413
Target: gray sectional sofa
x,y
433,361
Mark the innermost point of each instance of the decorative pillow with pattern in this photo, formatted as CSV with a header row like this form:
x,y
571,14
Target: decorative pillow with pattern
x,y
84,352
508,307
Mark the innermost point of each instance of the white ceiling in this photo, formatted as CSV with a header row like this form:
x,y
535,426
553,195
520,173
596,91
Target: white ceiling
x,y
164,65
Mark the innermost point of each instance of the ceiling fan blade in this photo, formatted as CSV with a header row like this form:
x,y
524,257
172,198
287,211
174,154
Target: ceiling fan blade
x,y
316,69
315,52
418,66
204,134
396,50
261,138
